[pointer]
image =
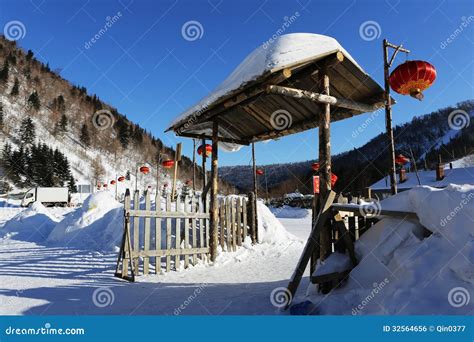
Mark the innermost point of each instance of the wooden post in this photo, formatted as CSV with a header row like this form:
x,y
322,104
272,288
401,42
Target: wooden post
x,y
214,212
177,158
194,165
251,217
255,198
325,163
204,172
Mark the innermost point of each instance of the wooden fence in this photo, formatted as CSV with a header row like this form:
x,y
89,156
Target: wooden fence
x,y
157,240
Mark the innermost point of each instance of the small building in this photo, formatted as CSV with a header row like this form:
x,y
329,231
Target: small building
x,y
462,175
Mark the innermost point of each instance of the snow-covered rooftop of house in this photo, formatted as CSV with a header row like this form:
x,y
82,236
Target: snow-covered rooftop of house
x,y
464,175
284,52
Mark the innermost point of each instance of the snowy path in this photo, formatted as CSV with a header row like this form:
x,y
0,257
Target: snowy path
x,y
42,280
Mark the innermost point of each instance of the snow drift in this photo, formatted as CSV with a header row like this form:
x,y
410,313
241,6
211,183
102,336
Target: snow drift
x,y
403,269
97,225
33,224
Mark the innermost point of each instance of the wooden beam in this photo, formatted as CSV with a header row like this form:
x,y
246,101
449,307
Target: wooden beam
x,y
214,205
221,139
323,98
359,209
255,190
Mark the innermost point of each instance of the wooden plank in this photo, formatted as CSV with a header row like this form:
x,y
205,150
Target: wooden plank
x,y
157,233
244,218
222,224
136,230
177,236
360,210
239,221
168,233
212,227
310,245
174,252
234,223
352,227
167,214
126,256
193,222
345,236
186,231
228,224
146,242
201,228
207,231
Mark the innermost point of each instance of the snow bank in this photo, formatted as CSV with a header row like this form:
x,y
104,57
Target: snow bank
x,y
290,212
401,271
97,225
33,224
270,230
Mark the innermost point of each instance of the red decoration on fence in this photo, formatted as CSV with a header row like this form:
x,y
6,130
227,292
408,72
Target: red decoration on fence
x,y
112,182
208,150
315,166
259,172
144,169
412,78
121,178
105,185
168,164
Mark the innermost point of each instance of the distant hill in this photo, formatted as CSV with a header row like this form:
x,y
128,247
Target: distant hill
x,y
428,136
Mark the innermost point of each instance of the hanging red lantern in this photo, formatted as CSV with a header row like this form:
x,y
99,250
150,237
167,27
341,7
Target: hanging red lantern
x,y
333,179
168,164
144,169
99,184
165,185
259,172
412,78
315,166
401,159
208,149
105,185
121,179
112,182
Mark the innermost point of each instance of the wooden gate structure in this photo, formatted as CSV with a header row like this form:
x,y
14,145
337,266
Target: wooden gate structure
x,y
156,240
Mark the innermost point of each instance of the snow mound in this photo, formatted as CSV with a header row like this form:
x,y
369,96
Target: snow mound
x,y
97,225
270,230
405,269
290,212
33,224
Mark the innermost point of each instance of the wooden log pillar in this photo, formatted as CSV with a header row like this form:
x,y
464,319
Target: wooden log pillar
x,y
194,165
204,172
214,205
325,163
255,185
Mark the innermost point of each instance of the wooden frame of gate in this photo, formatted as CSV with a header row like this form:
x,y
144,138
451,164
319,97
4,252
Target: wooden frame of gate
x,y
157,241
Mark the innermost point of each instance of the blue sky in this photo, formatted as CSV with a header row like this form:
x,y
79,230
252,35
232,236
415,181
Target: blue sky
x,y
143,66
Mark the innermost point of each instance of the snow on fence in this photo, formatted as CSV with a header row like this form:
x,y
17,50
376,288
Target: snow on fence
x,y
157,240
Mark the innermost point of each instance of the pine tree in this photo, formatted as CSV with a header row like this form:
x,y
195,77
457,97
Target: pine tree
x,y
27,131
72,184
29,55
15,88
1,116
62,124
4,72
127,175
34,100
6,156
124,135
85,137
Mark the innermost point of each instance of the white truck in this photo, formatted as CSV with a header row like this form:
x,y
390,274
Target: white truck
x,y
48,196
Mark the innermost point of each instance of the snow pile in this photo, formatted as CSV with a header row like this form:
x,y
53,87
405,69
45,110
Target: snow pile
x,y
97,225
290,212
270,230
402,270
33,224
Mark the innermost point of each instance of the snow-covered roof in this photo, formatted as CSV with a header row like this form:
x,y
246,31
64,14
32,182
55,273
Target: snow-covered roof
x,y
460,176
292,51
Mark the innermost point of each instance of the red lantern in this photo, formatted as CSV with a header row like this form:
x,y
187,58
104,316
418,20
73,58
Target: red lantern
x,y
401,159
412,78
208,150
333,179
144,169
168,164
105,185
165,185
315,166
121,178
149,186
259,172
112,182
99,185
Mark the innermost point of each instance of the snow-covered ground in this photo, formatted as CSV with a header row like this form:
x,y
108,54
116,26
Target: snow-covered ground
x,y
401,270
